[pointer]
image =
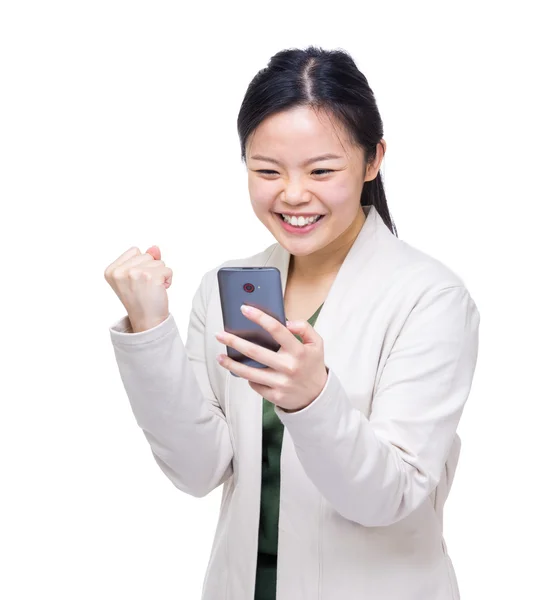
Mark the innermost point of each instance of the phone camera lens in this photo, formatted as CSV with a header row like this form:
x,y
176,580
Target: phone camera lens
x,y
248,287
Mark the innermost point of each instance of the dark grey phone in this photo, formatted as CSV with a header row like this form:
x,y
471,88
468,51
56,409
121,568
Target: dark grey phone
x,y
256,286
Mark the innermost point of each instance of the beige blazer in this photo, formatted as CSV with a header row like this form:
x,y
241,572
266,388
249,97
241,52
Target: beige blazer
x,y
365,468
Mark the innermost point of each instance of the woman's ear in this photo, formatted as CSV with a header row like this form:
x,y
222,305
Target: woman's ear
x,y
372,168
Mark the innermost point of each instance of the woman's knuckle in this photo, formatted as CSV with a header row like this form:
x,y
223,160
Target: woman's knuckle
x,y
278,327
118,274
133,274
291,368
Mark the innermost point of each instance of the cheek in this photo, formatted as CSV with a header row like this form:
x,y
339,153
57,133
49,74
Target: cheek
x,y
344,188
261,195
340,198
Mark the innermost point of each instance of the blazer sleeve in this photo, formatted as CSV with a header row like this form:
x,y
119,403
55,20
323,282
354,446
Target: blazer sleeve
x,y
167,384
376,471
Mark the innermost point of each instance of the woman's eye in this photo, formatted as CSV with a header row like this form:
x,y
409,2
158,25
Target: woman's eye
x,y
269,172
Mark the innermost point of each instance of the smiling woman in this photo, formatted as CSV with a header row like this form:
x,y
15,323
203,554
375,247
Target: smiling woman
x,y
338,456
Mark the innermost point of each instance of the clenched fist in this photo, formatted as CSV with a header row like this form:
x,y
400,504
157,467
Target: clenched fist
x,y
141,282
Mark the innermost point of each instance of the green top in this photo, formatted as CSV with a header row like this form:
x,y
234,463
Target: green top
x,y
265,583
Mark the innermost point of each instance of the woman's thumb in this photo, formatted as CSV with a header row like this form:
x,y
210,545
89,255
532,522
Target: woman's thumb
x,y
155,252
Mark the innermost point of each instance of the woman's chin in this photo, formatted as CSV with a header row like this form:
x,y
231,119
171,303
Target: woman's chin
x,y
299,247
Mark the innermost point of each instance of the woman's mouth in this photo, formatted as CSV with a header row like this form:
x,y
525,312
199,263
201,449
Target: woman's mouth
x,y
299,229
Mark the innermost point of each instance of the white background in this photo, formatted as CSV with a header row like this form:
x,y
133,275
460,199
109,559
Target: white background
x,y
118,129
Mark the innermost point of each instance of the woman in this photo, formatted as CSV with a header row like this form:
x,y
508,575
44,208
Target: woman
x,y
337,458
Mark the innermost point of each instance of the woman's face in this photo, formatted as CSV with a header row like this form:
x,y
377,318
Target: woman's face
x,y
293,185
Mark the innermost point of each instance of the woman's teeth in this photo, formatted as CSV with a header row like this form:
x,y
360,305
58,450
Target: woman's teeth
x,y
300,221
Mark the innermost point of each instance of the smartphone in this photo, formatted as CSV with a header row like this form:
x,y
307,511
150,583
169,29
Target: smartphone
x,y
256,286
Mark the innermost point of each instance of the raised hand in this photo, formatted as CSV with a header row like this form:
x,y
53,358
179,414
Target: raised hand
x,y
141,282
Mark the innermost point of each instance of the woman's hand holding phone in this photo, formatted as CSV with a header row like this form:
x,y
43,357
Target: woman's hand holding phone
x,y
141,282
295,374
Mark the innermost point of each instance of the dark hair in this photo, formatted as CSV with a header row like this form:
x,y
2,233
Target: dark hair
x,y
321,79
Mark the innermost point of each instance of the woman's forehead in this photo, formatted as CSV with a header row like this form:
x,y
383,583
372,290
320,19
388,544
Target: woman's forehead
x,y
300,133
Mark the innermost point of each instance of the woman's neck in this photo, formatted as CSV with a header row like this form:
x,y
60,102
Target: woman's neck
x,y
326,262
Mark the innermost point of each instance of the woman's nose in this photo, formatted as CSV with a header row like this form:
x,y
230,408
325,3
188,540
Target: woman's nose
x,y
294,192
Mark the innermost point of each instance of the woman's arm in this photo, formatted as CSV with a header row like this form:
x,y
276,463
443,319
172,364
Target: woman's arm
x,y
376,471
168,387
